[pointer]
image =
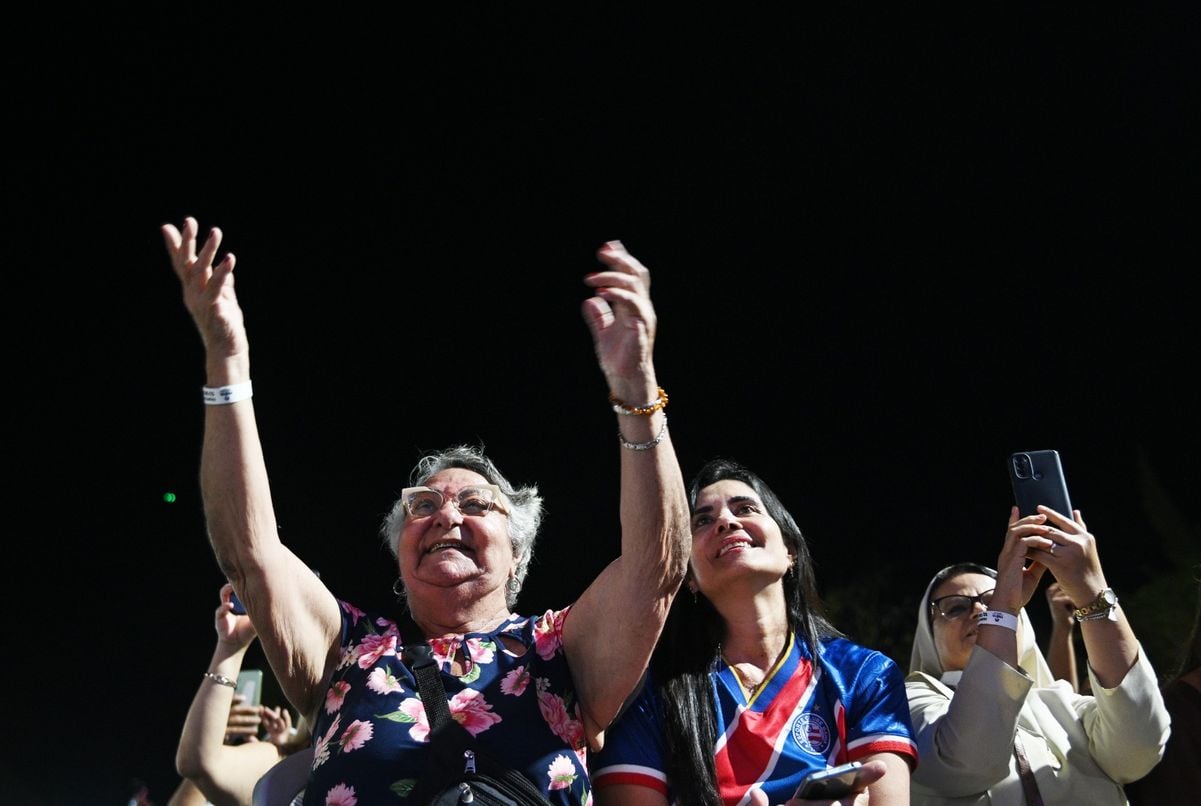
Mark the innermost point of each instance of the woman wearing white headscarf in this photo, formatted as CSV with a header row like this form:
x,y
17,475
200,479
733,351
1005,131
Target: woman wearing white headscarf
x,y
992,724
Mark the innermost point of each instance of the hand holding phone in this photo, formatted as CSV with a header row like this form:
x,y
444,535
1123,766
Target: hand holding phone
x,y
835,782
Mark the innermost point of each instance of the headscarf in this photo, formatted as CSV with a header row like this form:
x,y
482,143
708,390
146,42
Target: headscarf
x,y
924,657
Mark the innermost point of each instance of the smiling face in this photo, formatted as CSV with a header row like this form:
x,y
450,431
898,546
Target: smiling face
x,y
734,539
447,549
954,639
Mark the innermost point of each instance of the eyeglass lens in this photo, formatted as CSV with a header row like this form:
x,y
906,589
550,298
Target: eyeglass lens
x,y
956,607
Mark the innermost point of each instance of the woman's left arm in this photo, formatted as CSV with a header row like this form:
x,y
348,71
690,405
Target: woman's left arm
x,y
613,627
891,789
224,773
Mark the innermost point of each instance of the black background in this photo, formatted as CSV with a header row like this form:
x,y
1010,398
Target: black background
x,y
886,252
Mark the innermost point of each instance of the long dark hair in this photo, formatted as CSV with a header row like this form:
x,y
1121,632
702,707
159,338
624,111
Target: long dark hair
x,y
691,642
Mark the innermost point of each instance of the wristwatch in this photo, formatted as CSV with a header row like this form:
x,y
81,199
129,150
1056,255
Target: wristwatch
x,y
1104,606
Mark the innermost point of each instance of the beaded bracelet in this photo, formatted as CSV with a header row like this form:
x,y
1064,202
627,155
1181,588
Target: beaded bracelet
x,y
644,446
645,411
220,395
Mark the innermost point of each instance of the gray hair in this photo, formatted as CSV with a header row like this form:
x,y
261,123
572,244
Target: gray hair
x,y
524,505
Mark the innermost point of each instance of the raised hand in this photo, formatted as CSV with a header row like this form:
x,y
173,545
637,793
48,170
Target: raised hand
x,y
1061,606
208,290
1025,539
620,315
1074,560
232,629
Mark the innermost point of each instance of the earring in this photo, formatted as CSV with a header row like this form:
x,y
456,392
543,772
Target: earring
x,y
398,588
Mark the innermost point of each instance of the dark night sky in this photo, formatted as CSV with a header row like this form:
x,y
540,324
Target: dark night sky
x,y
886,252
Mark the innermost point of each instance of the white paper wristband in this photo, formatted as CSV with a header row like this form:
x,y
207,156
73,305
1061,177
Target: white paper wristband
x,y
999,618
221,395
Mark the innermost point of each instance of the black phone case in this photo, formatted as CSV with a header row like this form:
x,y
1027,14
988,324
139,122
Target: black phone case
x,y
1041,481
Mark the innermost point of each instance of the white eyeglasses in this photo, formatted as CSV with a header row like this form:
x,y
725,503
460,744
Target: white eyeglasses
x,y
422,502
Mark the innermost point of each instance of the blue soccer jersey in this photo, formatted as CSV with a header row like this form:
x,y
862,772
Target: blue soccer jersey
x,y
805,716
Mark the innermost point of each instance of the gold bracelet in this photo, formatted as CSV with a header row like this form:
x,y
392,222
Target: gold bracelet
x,y
645,411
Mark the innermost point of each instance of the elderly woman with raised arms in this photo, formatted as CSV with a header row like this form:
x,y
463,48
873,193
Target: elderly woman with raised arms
x,y
536,690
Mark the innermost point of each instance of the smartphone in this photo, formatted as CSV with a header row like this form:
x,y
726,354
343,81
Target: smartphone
x,y
835,782
1037,478
250,686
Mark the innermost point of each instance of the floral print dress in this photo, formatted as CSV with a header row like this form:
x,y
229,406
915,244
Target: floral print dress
x,y
371,737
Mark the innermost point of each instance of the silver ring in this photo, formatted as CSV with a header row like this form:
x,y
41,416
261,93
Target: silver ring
x,y
1051,550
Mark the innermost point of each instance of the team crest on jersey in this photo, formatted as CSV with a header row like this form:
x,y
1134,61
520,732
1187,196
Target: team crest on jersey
x,y
812,733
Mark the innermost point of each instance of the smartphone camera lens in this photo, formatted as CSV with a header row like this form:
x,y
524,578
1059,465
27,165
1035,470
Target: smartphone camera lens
x,y
1021,466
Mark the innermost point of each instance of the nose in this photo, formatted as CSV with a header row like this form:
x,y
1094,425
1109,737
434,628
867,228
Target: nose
x,y
727,520
448,516
978,607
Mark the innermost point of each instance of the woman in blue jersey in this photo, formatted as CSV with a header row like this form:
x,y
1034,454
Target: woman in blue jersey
x,y
750,687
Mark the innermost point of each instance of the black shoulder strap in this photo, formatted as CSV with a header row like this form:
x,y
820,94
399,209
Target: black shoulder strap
x,y
429,683
455,753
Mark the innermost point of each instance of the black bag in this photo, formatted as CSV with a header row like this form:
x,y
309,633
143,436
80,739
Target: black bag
x,y
459,771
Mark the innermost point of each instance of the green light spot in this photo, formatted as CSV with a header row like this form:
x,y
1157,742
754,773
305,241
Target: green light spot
x,y
169,498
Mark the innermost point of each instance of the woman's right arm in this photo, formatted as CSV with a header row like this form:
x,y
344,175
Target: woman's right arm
x,y
296,617
965,742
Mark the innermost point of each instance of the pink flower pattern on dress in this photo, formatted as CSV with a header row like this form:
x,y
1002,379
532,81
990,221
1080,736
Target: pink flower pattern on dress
x,y
548,634
554,711
467,707
381,681
374,647
370,666
335,696
480,651
561,772
515,682
444,649
354,612
321,746
341,795
413,708
472,711
350,656
357,734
